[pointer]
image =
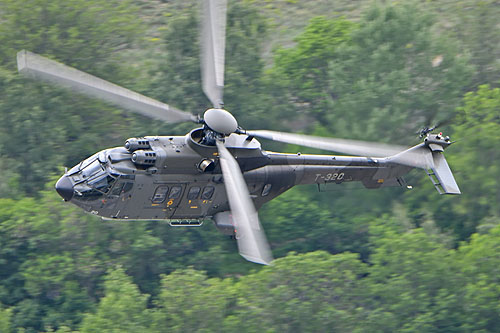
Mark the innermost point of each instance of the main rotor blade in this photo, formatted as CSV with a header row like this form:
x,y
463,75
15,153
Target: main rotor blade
x,y
415,157
39,67
213,45
252,242
344,146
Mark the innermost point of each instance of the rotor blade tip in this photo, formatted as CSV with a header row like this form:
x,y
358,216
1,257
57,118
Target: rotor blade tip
x,y
257,260
21,60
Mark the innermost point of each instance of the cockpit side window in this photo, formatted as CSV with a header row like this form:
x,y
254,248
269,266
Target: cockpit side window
x,y
122,188
117,190
127,187
94,188
101,183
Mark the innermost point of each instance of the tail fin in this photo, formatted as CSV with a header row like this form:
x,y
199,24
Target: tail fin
x,y
446,183
433,161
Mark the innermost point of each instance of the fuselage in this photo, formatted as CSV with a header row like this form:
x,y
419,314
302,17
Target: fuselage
x,y
179,177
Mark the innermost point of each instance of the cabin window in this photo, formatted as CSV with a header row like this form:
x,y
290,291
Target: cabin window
x,y
207,193
193,193
160,194
175,192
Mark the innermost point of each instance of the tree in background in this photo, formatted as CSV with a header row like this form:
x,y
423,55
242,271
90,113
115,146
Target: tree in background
x,y
341,79
477,27
413,280
45,129
122,309
394,76
473,159
315,292
54,256
5,315
383,78
299,77
190,302
177,79
297,222
479,261
76,32
478,130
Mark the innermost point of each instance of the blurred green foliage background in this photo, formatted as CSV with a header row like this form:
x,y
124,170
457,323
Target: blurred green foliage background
x,y
348,259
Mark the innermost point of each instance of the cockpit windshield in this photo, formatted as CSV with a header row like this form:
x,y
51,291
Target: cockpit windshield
x,y
91,169
92,179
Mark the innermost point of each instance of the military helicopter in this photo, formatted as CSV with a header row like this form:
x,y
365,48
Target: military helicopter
x,y
218,170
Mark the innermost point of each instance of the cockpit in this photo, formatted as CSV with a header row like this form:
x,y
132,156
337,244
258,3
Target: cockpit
x,y
93,181
90,180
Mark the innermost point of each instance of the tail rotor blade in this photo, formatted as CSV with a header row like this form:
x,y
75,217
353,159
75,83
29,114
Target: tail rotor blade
x,y
39,67
213,44
252,242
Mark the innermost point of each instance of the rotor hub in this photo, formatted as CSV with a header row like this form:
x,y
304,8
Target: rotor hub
x,y
437,142
220,121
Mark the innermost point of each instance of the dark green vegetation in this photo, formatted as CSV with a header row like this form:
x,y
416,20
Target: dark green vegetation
x,y
349,259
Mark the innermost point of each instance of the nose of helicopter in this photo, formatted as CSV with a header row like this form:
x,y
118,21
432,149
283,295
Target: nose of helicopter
x,y
65,188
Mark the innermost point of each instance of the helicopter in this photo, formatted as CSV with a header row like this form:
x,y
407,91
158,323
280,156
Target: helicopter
x,y
218,170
